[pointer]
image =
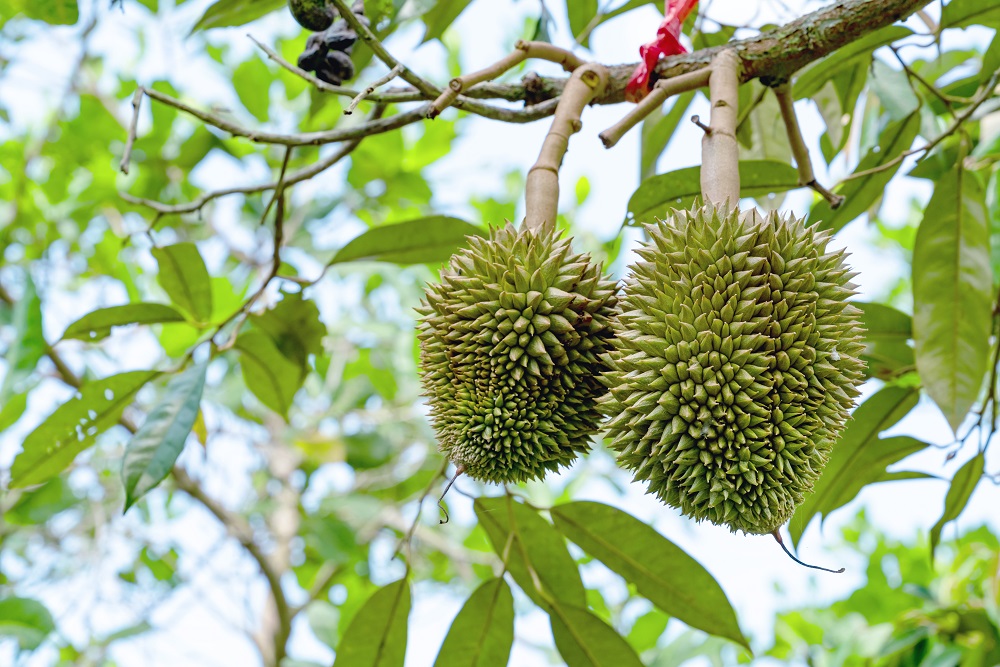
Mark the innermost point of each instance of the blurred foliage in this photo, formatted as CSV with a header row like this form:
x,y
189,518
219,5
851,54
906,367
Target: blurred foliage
x,y
258,411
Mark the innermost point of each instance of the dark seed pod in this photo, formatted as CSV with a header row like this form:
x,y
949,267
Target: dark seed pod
x,y
510,345
336,68
312,15
314,53
339,37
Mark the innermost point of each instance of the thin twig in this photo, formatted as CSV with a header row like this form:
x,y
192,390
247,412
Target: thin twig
x,y
984,93
662,90
798,145
522,51
945,99
407,540
381,81
295,177
127,153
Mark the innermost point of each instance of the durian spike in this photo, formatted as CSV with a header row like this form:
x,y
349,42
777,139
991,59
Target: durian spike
x,y
447,488
781,543
542,188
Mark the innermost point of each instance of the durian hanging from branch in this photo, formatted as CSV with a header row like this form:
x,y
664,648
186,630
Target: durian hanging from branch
x,y
513,335
736,357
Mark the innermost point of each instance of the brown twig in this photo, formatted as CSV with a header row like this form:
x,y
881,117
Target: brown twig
x,y
381,81
542,187
522,51
130,141
662,90
720,156
984,93
798,145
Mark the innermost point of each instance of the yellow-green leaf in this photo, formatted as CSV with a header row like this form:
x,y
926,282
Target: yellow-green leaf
x,y
483,632
97,325
963,485
376,636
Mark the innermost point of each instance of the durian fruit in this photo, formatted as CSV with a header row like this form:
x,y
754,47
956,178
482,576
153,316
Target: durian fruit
x,y
736,361
511,340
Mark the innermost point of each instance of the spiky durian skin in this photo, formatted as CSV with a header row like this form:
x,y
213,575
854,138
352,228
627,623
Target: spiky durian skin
x,y
736,362
511,340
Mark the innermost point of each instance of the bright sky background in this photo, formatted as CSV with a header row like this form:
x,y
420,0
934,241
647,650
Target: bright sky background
x,y
750,569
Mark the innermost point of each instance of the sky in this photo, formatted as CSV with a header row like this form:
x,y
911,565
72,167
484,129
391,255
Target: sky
x,y
749,569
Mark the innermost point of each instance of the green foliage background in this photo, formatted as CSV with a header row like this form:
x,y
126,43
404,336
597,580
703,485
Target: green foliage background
x,y
256,410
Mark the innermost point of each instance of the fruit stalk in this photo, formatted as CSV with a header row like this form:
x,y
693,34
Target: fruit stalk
x,y
542,190
720,176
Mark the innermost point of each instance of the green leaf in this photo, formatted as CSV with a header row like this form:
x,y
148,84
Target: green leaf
x,y
534,551
376,636
660,570
38,505
185,279
952,294
97,325
810,79
225,13
963,13
657,195
421,241
580,14
54,12
27,620
294,326
962,487
859,455
483,632
268,374
74,426
893,89
27,346
584,640
154,448
440,16
252,81
887,334
657,130
860,193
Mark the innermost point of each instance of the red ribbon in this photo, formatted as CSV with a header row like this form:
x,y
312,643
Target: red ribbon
x,y
667,43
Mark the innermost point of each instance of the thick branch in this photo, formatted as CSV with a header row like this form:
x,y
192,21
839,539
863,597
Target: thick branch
x,y
720,154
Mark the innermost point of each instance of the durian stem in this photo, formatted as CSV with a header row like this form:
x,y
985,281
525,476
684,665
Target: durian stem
x,y
447,488
777,536
798,145
522,51
662,90
542,189
720,155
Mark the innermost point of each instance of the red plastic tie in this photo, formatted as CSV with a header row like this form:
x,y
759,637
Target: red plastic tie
x,y
667,43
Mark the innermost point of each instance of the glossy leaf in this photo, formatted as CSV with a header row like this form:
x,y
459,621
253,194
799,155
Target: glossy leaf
x,y
584,640
74,426
963,485
811,78
580,13
26,620
97,325
894,90
154,448
268,374
185,279
887,335
483,632
533,549
860,193
660,570
27,345
225,13
376,636
658,195
858,455
657,130
294,327
440,16
421,241
952,294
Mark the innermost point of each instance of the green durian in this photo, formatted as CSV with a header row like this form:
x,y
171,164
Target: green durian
x,y
511,341
735,363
